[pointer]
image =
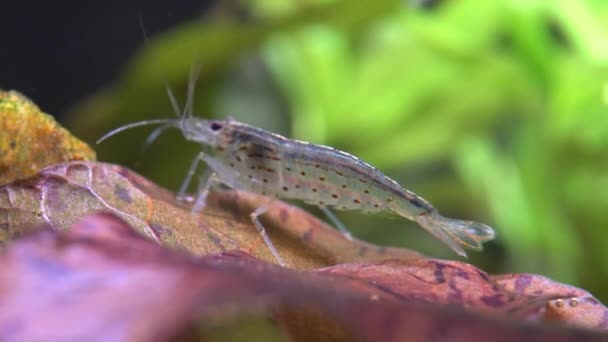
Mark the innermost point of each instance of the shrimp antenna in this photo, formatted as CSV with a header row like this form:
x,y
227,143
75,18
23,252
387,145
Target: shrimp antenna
x,y
195,71
155,134
187,112
172,99
168,122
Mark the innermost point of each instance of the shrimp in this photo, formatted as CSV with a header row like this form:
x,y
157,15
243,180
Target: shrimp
x,y
252,159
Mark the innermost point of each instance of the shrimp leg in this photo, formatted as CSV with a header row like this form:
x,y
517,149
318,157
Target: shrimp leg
x,y
336,222
230,178
193,166
256,222
209,178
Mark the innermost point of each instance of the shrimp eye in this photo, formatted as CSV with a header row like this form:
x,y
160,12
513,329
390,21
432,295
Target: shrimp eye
x,y
216,126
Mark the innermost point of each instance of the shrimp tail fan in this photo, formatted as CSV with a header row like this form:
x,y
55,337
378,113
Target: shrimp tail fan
x,y
457,234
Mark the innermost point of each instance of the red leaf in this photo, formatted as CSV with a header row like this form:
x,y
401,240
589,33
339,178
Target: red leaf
x,y
575,306
101,280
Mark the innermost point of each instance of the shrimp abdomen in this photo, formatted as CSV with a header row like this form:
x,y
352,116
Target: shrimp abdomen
x,y
324,176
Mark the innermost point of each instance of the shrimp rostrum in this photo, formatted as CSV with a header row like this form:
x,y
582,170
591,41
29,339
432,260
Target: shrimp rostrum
x,y
252,159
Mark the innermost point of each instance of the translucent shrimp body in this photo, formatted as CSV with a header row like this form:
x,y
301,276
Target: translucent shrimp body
x,y
250,158
256,160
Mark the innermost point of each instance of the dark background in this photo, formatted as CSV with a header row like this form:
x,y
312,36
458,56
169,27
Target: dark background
x,y
82,44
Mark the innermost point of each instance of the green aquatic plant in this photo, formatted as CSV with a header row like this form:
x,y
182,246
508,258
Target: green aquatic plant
x,y
496,111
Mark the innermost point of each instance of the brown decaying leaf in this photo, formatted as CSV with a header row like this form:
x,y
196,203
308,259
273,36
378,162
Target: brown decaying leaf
x,y
100,280
60,195
32,140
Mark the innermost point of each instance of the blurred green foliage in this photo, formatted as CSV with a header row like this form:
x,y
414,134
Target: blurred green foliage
x,y
494,110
